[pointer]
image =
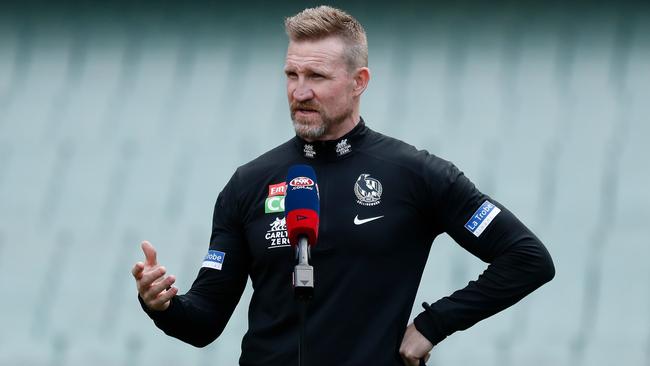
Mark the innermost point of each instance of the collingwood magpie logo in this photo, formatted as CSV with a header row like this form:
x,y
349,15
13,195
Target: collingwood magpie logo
x,y
277,236
368,190
309,151
343,147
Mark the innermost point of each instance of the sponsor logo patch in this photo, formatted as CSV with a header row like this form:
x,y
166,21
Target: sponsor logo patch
x,y
368,190
482,218
343,147
277,236
274,203
358,221
214,259
309,151
278,189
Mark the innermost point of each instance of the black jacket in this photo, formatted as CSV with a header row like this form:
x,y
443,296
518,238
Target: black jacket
x,y
367,272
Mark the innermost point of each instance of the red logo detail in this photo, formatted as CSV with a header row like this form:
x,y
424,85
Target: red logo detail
x,y
279,189
301,182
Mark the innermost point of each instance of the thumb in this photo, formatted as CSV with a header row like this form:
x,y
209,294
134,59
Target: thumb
x,y
149,253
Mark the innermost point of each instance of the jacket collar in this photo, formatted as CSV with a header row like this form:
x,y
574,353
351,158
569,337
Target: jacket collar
x,y
332,150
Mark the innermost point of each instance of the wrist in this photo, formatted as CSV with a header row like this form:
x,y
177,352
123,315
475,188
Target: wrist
x,y
429,326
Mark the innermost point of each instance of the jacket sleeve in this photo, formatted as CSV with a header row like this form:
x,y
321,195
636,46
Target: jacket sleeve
x,y
199,316
518,261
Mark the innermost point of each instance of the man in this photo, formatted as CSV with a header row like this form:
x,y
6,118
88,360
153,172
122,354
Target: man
x,y
382,204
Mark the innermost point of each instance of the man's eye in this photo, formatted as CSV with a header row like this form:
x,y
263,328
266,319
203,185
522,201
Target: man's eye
x,y
292,75
317,76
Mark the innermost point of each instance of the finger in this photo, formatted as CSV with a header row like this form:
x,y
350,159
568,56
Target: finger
x,y
137,270
160,286
152,275
149,253
163,298
151,293
410,361
149,277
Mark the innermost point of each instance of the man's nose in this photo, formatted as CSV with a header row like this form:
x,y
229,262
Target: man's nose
x,y
303,92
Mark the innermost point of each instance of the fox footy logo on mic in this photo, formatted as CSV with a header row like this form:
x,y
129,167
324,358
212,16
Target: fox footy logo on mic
x,y
302,183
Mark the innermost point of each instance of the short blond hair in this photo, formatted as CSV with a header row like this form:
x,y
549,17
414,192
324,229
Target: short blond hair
x,y
325,21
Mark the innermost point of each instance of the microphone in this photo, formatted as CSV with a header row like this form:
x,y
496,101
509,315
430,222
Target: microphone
x,y
303,207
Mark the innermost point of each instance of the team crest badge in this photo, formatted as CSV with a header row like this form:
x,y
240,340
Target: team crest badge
x,y
368,190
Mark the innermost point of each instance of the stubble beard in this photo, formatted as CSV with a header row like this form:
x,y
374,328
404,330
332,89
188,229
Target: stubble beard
x,y
309,130
316,129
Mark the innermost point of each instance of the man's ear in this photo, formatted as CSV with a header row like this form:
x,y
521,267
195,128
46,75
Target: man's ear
x,y
361,80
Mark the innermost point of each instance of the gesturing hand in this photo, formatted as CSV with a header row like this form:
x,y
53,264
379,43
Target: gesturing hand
x,y
415,347
153,286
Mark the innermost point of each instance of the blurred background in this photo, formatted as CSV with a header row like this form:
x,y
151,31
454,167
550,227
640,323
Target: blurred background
x,y
121,121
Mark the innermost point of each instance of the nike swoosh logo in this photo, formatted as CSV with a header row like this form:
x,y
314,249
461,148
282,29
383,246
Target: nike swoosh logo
x,y
363,221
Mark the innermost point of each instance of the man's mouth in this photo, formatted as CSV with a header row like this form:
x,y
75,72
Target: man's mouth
x,y
305,111
303,107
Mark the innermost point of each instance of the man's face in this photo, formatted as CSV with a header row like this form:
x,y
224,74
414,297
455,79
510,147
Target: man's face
x,y
319,86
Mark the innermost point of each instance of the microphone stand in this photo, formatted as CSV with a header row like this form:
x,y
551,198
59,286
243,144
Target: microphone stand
x,y
303,287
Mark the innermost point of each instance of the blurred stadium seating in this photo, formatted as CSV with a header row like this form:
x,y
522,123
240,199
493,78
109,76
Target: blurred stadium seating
x,y
120,123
